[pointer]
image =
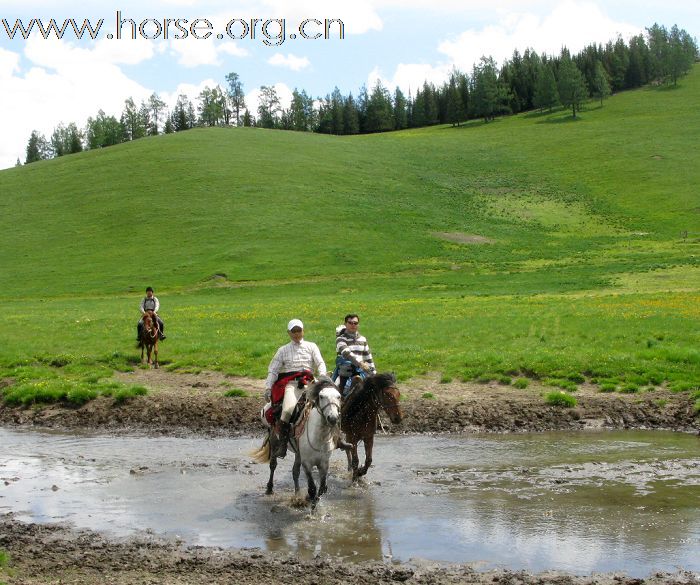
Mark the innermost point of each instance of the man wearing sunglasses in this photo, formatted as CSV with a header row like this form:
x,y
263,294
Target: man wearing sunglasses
x,y
290,370
354,355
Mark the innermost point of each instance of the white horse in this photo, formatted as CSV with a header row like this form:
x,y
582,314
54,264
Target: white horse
x,y
319,438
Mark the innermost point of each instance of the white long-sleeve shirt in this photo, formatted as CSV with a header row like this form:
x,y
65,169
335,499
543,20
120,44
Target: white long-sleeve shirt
x,y
294,357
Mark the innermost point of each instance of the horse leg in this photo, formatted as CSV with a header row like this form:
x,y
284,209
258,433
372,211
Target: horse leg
x,y
296,468
155,351
323,475
143,349
273,461
312,492
369,443
355,463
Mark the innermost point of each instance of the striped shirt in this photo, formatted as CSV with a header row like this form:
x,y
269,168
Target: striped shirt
x,y
354,347
294,357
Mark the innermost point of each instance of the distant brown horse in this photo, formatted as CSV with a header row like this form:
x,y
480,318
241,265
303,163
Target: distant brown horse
x,y
359,416
148,340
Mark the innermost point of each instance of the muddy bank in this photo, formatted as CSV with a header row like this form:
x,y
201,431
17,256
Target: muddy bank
x,y
52,554
195,403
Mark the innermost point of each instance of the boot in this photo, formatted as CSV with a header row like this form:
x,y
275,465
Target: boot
x,y
283,435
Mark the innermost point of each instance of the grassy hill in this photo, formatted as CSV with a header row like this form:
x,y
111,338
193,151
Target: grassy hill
x,y
534,244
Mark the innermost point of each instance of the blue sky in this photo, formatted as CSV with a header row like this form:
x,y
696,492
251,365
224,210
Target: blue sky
x,y
401,42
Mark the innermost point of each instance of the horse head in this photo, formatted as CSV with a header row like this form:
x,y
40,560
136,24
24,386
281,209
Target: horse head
x,y
326,397
388,394
148,320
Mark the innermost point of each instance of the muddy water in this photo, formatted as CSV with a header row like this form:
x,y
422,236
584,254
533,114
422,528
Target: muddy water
x,y
584,502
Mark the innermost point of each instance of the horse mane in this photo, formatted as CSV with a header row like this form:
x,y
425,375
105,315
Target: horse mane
x,y
315,389
371,385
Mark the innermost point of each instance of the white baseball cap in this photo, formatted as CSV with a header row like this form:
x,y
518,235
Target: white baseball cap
x,y
294,323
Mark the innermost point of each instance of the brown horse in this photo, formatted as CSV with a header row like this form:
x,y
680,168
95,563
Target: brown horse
x,y
148,340
359,416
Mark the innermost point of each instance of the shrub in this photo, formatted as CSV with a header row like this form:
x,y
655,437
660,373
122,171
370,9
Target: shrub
x,y
608,387
521,383
445,379
235,393
505,380
428,395
485,378
560,398
629,388
576,377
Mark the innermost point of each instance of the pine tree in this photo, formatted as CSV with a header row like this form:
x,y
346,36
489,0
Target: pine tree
x,y
601,86
236,96
455,107
269,107
37,148
156,106
400,111
546,92
351,117
572,86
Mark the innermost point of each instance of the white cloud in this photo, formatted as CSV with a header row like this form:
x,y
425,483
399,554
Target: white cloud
x,y
409,77
572,23
195,53
291,61
9,63
63,83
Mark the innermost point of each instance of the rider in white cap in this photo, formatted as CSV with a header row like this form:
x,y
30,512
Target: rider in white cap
x,y
295,361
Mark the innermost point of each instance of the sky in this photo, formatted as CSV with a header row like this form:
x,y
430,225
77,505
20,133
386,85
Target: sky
x,y
44,82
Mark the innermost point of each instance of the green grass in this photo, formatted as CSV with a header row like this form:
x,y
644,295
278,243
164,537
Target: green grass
x,y
629,388
75,385
235,393
4,559
428,396
583,272
560,398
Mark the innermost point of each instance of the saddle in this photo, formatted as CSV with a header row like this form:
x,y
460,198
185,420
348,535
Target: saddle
x,y
277,395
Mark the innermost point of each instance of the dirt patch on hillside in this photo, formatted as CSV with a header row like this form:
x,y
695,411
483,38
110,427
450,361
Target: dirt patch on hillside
x,y
51,554
186,403
460,238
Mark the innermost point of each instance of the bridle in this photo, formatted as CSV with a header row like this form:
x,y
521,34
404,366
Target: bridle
x,y
321,410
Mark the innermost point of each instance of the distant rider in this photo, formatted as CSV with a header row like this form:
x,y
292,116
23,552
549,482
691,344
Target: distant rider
x,y
293,366
354,355
150,303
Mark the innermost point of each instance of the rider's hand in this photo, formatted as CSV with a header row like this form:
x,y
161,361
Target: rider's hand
x,y
366,367
268,394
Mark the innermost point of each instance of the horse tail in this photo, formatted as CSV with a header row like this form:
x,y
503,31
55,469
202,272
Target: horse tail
x,y
262,455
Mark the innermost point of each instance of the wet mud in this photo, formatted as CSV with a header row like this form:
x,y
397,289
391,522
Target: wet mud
x,y
195,403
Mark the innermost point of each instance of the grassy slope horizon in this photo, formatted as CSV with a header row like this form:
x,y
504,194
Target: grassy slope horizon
x,y
587,268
